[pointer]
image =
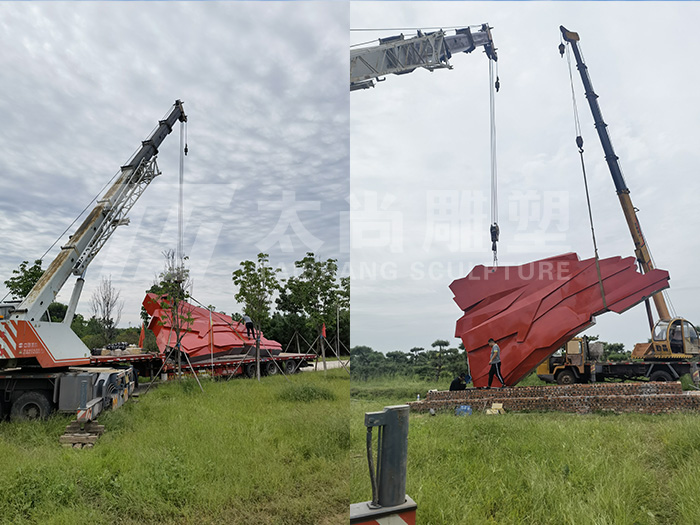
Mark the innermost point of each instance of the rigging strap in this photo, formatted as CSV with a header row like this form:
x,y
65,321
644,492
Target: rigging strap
x,y
579,145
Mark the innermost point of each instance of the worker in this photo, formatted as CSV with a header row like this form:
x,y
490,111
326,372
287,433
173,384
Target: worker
x,y
459,383
250,329
495,362
677,340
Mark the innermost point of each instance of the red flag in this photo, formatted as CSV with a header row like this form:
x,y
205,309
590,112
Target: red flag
x,y
142,336
323,330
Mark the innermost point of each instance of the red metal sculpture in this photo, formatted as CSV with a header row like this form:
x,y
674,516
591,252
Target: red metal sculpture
x,y
533,309
203,339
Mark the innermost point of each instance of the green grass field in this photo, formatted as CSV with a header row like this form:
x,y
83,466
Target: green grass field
x,y
243,452
537,468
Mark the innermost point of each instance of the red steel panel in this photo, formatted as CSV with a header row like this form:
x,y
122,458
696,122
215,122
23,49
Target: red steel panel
x,y
533,309
223,335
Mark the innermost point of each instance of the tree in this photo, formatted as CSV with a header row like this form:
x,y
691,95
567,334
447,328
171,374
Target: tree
x,y
106,306
174,281
454,362
257,282
283,328
316,292
57,312
366,363
614,352
172,289
25,277
398,363
416,354
437,357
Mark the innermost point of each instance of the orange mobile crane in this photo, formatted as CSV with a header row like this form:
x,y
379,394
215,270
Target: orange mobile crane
x,y
671,337
44,366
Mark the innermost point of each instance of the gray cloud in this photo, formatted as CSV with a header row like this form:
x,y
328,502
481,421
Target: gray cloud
x,y
425,132
264,88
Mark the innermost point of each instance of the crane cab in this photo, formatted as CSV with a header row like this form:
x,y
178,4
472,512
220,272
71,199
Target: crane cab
x,y
6,308
674,339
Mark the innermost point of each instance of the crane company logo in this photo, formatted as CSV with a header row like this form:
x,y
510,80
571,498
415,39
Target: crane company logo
x,y
30,348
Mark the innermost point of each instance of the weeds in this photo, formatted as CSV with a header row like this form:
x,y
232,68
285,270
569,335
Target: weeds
x,y
233,454
541,467
304,393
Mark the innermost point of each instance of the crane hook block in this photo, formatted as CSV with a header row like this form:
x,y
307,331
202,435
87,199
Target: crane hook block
x,y
498,84
562,48
495,231
579,143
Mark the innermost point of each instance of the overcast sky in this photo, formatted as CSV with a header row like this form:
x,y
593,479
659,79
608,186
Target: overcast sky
x,y
265,89
422,138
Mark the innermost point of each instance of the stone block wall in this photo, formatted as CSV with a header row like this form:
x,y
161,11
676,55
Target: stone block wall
x,y
645,398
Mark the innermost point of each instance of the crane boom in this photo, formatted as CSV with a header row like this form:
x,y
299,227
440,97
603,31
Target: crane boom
x,y
399,55
640,247
26,336
110,212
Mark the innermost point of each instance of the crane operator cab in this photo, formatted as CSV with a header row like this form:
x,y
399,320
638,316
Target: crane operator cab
x,y
676,338
6,308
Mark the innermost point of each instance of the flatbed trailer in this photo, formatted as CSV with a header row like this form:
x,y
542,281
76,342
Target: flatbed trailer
x,y
576,365
652,370
148,365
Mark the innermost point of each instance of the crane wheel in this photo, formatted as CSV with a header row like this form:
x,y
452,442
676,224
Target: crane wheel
x,y
566,377
660,376
30,405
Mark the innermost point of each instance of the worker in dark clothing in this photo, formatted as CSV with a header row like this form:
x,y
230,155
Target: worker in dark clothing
x,y
495,362
458,383
250,329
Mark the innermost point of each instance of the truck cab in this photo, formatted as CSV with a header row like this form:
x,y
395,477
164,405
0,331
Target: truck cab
x,y
566,366
674,339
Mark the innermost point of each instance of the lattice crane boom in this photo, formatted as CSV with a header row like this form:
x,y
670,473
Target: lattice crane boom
x,y
399,55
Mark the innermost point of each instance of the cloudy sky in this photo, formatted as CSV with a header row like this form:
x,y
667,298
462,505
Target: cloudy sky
x,y
264,87
421,139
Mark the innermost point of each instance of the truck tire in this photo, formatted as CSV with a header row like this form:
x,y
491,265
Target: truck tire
x,y
566,377
30,405
271,368
250,370
292,366
660,376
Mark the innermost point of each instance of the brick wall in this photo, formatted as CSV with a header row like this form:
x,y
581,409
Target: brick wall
x,y
646,398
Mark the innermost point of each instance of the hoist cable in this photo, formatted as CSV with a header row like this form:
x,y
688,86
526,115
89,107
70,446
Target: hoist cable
x,y
590,218
579,144
493,227
666,295
89,204
577,123
181,202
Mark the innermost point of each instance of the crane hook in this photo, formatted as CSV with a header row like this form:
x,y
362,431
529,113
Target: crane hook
x,y
497,85
495,231
562,48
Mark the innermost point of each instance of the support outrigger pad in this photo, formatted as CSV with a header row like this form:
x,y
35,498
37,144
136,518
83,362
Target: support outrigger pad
x,y
81,435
